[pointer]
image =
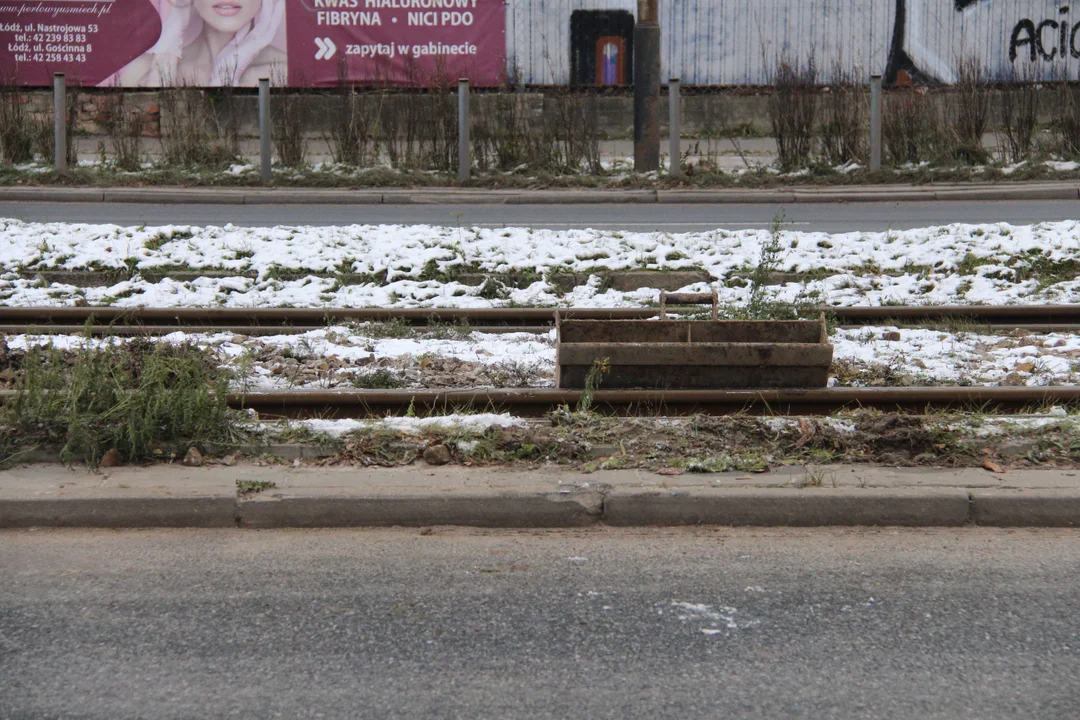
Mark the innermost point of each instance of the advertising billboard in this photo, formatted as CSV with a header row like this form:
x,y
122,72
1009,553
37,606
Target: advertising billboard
x,y
209,43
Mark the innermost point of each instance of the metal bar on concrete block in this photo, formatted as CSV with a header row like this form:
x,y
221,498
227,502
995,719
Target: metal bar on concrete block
x,y
60,121
264,129
464,161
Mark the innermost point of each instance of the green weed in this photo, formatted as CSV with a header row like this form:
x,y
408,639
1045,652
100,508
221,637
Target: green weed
x,y
133,397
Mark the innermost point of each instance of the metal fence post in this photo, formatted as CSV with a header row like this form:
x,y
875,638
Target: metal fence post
x,y
264,129
60,121
875,123
464,161
675,127
647,88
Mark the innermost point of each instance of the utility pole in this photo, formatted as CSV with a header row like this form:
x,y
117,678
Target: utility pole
x,y
647,87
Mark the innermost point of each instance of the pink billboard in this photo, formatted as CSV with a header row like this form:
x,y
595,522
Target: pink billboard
x,y
213,43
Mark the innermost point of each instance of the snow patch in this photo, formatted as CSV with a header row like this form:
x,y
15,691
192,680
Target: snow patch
x,y
415,426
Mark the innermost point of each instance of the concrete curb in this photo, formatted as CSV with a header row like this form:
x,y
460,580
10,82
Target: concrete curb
x,y
511,510
742,506
948,507
1026,508
1063,190
114,512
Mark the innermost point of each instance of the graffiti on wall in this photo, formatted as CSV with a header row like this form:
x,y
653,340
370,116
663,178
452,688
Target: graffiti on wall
x,y
1032,39
733,42
1008,38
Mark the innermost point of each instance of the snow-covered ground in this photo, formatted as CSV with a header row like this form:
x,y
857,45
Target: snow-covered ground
x,y
414,266
340,357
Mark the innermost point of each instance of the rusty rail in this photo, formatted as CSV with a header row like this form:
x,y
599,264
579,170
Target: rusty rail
x,y
538,402
283,320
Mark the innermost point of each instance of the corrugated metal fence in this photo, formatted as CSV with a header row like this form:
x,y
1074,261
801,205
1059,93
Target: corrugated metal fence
x,y
736,42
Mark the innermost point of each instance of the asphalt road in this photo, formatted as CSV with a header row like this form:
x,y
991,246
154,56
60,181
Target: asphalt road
x,y
967,623
831,217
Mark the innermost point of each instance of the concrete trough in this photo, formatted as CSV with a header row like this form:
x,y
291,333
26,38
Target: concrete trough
x,y
694,354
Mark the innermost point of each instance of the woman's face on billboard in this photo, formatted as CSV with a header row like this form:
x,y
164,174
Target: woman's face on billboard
x,y
228,15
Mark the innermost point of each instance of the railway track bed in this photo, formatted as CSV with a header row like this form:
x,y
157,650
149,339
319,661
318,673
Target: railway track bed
x,y
308,404
270,321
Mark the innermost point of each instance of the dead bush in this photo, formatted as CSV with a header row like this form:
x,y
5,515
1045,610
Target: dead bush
x,y
503,134
192,132
399,126
843,127
419,128
124,127
792,112
1068,124
16,133
564,138
288,111
1019,101
438,127
398,116
574,126
352,125
910,126
43,129
970,112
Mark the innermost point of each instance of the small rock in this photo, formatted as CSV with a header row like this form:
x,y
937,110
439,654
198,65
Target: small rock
x,y
901,458
1013,448
230,460
891,336
111,459
1013,379
437,455
193,458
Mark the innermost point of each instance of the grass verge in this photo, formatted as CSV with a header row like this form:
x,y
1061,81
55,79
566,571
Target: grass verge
x,y
142,399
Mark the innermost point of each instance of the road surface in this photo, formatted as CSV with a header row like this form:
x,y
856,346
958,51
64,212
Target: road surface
x,y
965,623
830,217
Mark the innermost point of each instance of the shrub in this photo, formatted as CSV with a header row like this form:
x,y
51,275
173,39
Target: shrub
x,y
1019,117
192,134
910,127
123,125
792,112
970,112
843,128
16,134
352,125
1068,125
43,130
288,110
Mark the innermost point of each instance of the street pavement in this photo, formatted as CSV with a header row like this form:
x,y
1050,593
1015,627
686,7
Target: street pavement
x,y
597,623
825,217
